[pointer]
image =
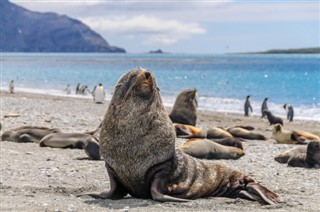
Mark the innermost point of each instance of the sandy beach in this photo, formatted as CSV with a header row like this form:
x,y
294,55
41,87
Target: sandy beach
x,y
36,178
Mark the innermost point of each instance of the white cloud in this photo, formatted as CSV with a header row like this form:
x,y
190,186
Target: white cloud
x,y
153,30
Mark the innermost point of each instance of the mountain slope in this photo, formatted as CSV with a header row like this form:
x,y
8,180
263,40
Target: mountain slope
x,y
26,31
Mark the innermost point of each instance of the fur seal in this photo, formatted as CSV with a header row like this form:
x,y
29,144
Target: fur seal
x,y
246,133
290,112
208,149
235,142
184,110
272,118
137,140
218,132
188,131
283,136
73,140
247,106
284,156
264,107
27,134
311,159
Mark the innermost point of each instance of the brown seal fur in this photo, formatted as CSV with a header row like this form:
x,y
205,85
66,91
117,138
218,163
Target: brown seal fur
x,y
235,142
272,118
283,136
207,149
218,132
310,159
137,140
73,140
246,133
284,156
184,110
27,134
188,131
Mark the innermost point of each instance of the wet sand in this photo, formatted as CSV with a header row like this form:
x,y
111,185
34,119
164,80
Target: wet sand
x,y
37,178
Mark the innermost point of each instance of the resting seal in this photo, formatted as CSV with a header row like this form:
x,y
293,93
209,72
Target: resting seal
x,y
218,132
273,119
73,140
27,134
207,149
188,131
246,133
311,159
184,110
137,140
283,136
284,156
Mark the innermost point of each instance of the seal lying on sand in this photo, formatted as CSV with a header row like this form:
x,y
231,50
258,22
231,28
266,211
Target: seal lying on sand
x,y
311,159
27,134
188,131
272,118
284,156
184,110
218,132
283,136
235,142
137,141
73,140
207,149
246,133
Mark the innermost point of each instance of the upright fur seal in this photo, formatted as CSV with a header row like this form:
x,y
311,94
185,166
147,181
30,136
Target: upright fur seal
x,y
137,140
272,118
207,149
27,134
184,110
73,140
247,106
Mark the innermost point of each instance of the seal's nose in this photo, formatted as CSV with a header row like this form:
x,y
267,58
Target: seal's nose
x,y
147,74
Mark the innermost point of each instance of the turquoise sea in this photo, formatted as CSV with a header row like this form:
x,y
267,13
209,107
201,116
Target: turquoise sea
x,y
223,81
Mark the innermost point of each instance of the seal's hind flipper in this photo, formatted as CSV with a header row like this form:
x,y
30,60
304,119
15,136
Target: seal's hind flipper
x,y
157,195
255,191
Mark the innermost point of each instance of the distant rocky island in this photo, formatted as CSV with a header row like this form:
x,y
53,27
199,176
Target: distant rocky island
x,y
159,51
26,31
315,50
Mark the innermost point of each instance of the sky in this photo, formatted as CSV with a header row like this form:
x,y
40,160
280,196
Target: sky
x,y
200,27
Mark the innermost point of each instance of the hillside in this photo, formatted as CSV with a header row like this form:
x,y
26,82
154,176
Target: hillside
x,y
26,31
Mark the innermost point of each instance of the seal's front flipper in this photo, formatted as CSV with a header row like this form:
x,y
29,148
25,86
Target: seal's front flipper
x,y
255,191
117,190
157,187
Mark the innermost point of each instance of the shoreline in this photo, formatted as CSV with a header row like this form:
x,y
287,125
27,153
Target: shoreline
x,y
167,104
36,178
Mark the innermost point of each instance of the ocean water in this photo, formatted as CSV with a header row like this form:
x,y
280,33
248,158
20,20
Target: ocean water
x,y
222,81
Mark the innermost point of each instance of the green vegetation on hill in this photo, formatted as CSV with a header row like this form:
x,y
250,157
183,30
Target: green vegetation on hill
x,y
315,50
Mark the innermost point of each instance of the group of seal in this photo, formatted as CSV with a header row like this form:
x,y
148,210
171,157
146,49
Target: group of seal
x,y
244,132
137,141
51,137
307,156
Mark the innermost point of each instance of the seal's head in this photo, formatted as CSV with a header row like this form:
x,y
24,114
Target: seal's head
x,y
313,153
277,128
139,83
